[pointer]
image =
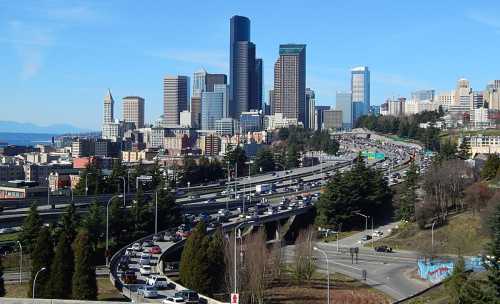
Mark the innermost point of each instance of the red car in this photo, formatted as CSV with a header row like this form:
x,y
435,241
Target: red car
x,y
155,250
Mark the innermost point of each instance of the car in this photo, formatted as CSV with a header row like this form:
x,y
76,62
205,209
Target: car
x,y
383,248
160,282
147,243
173,300
129,252
194,196
191,297
145,270
155,249
145,259
158,238
366,238
210,201
123,266
129,277
147,291
136,247
225,192
224,212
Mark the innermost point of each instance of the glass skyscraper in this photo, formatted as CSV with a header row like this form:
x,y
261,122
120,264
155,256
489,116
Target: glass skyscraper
x,y
344,103
211,109
243,74
360,90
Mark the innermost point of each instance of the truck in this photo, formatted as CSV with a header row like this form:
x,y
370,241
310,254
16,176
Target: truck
x,y
263,188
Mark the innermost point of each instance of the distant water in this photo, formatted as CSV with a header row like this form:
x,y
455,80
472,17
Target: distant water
x,y
25,139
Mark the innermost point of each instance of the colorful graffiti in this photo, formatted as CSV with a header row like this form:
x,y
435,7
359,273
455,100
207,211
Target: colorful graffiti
x,y
436,270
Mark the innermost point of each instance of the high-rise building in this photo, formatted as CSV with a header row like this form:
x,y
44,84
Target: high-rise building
x,y
215,79
223,88
492,95
241,67
270,102
423,95
226,126
477,99
109,104
199,82
344,103
175,98
250,122
196,111
360,90
256,89
319,115
290,82
211,109
332,120
310,109
133,110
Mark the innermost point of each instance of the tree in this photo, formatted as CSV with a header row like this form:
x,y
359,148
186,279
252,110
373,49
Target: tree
x,y
447,151
142,216
194,265
42,256
2,286
455,282
264,160
408,199
92,178
93,222
62,269
31,227
217,265
236,156
84,277
464,149
493,263
169,214
304,265
292,156
476,196
70,222
491,166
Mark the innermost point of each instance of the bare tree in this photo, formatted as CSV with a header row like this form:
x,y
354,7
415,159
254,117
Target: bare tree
x,y
477,195
304,265
256,266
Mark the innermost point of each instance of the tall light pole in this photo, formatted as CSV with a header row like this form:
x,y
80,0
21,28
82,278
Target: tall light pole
x,y
156,212
244,186
236,229
86,184
34,281
366,220
20,262
107,224
327,273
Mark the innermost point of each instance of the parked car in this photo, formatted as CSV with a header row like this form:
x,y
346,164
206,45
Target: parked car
x,y
173,300
155,249
147,243
123,266
158,238
383,248
129,277
366,238
147,291
145,270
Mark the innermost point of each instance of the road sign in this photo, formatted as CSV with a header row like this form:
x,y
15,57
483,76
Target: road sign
x,y
235,298
147,178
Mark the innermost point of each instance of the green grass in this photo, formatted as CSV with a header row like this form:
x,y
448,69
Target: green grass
x,y
437,295
9,237
333,238
462,233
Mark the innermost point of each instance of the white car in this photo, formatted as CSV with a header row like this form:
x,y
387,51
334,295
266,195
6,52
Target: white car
x,y
147,292
137,247
158,281
145,270
173,300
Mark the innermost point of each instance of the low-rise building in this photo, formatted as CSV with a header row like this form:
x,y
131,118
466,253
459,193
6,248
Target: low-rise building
x,y
332,120
11,172
21,189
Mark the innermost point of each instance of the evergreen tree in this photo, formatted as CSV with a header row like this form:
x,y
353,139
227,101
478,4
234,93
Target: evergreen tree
x,y
493,264
169,214
236,156
455,282
93,222
2,286
70,222
406,210
90,176
157,178
491,167
265,160
31,227
215,256
142,216
62,268
42,256
292,156
84,277
194,265
121,224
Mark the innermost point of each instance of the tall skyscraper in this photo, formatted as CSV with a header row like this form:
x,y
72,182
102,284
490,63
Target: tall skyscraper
x,y
175,98
196,111
319,116
290,82
423,95
214,79
199,82
360,89
223,88
241,66
310,109
109,105
211,109
344,103
256,100
133,110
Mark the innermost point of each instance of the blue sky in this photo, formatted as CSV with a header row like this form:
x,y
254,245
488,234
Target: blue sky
x,y
57,58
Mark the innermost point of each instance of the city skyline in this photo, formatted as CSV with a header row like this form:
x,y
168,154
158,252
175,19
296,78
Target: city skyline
x,y
53,52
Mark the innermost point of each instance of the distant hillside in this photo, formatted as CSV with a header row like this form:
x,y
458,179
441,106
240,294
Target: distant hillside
x,y
19,127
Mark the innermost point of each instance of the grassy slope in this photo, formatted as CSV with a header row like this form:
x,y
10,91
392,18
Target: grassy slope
x,y
462,231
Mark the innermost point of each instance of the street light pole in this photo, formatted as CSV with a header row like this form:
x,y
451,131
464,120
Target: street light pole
x,y
432,236
156,212
366,220
327,273
20,263
124,194
236,229
107,225
34,281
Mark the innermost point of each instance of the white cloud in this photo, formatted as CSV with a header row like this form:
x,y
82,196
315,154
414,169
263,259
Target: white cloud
x,y
485,19
72,14
217,59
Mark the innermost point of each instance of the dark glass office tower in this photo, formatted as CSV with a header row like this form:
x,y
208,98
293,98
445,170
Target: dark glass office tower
x,y
241,67
256,89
